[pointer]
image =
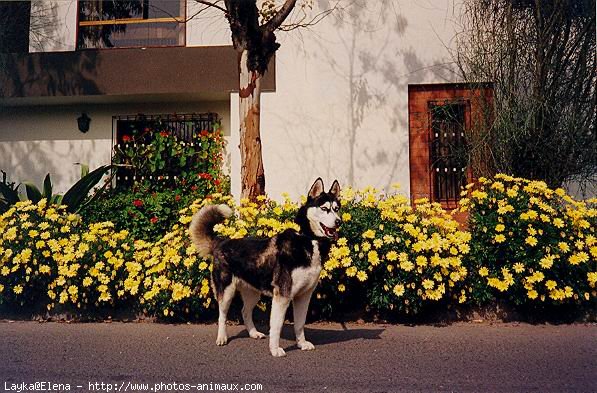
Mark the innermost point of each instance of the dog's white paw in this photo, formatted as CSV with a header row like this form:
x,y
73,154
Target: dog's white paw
x,y
306,346
256,334
221,340
277,352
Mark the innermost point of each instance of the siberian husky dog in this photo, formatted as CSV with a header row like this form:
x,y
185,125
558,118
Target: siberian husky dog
x,y
286,266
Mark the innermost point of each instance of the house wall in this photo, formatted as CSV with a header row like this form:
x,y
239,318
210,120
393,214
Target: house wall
x,y
45,139
339,110
53,25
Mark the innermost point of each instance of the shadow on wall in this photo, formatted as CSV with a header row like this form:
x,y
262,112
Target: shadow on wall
x,y
25,159
49,74
363,140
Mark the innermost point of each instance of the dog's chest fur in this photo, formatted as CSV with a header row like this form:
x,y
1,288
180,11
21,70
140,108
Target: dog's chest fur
x,y
305,278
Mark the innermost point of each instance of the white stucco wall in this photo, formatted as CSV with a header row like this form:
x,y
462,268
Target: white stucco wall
x,y
53,25
339,110
45,139
344,82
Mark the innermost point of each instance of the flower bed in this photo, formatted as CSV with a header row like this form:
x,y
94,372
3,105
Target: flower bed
x,y
526,244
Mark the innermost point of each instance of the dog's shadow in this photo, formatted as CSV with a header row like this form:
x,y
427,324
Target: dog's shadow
x,y
321,337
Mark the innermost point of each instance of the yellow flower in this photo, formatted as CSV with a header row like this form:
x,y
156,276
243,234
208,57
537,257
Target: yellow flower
x,y
558,223
564,247
499,238
547,261
532,294
398,290
483,271
369,234
351,271
577,258
392,256
550,284
361,275
428,284
373,258
17,289
518,267
531,241
341,288
44,269
500,227
346,217
407,265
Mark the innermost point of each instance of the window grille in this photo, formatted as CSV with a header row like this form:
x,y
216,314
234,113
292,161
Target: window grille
x,y
448,150
139,131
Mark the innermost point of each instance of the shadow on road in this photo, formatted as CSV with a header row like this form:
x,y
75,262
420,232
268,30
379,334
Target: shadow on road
x,y
322,336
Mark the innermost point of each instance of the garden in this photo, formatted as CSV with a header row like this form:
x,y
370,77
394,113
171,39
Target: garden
x,y
124,248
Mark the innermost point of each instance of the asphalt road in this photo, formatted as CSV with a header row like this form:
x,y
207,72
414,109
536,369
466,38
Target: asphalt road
x,y
463,357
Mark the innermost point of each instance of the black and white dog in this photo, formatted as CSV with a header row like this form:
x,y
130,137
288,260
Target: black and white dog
x,y
286,266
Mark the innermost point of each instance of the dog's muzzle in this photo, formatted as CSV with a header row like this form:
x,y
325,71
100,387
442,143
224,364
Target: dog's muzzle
x,y
331,233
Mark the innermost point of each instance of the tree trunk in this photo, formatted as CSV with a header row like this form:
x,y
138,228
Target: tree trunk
x,y
251,171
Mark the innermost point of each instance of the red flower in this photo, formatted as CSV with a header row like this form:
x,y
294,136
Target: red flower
x,y
153,219
177,198
126,138
217,182
204,175
204,133
138,203
164,133
194,188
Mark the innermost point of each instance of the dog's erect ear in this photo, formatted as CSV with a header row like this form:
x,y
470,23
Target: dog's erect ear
x,y
335,189
316,188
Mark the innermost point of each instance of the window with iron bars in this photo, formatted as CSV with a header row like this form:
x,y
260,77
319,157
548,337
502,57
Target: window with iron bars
x,y
448,150
139,131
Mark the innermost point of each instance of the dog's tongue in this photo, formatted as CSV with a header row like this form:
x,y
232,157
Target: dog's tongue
x,y
335,235
333,232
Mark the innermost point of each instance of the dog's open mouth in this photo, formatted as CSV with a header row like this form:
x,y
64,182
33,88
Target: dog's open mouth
x,y
332,233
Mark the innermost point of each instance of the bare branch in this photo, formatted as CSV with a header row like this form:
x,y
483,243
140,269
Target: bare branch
x,y
213,4
314,20
279,18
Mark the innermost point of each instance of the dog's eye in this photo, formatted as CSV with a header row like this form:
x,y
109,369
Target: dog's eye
x,y
336,209
325,209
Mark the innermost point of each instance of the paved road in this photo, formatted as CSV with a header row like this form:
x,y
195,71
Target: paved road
x,y
352,358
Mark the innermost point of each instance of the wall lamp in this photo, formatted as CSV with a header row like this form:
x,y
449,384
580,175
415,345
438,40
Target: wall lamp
x,y
83,122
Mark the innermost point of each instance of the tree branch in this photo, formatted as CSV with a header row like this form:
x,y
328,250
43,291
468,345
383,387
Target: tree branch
x,y
277,20
213,4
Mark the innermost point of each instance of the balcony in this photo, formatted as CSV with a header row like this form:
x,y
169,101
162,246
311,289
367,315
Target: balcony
x,y
121,75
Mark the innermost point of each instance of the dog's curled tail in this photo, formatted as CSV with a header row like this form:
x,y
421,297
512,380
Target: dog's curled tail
x,y
202,227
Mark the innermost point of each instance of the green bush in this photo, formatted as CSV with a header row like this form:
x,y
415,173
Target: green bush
x,y
392,259
530,245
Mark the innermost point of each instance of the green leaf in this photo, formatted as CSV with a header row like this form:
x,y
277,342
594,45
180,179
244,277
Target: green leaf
x,y
47,193
75,196
8,194
33,193
56,199
84,170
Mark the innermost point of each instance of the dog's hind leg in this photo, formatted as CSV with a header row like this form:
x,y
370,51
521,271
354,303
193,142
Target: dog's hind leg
x,y
250,299
279,307
224,300
300,305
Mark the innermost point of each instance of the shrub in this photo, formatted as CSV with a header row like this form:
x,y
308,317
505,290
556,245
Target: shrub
x,y
391,259
395,257
530,244
47,256
143,213
164,175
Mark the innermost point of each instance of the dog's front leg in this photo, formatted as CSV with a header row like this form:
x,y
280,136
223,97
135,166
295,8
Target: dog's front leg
x,y
300,306
279,307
